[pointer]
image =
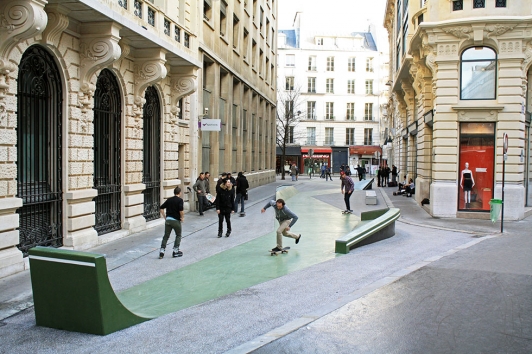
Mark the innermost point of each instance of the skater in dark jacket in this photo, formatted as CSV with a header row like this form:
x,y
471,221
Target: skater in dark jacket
x,y
286,220
242,186
347,188
225,206
174,216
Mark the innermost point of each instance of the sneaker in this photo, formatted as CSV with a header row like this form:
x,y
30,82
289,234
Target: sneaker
x,y
299,238
177,253
161,253
219,234
227,234
276,249
350,211
201,214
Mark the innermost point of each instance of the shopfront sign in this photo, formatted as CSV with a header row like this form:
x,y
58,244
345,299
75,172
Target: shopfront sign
x,y
212,125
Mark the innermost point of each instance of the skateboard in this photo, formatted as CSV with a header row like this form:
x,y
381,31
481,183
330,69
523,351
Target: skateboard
x,y
284,250
346,212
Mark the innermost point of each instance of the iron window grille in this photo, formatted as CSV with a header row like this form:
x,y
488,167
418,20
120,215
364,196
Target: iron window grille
x,y
166,27
479,4
177,34
187,40
458,5
500,3
138,8
151,16
122,3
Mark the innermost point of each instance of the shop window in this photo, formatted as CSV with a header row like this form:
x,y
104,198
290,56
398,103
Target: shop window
x,y
478,74
476,169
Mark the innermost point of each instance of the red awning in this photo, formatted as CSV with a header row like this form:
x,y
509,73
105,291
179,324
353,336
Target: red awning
x,y
364,149
317,150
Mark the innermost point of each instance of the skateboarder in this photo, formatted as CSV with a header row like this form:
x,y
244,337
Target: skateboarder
x,y
349,186
286,220
174,217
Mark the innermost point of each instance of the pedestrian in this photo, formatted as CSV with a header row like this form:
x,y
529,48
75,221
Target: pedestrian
x,y
173,217
286,219
242,186
360,172
394,174
231,178
322,175
293,172
220,180
201,191
225,206
328,174
386,175
347,188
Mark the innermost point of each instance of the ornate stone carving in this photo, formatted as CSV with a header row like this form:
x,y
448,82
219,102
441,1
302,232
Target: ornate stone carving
x,y
147,72
57,23
4,84
3,114
510,46
97,51
497,30
181,85
19,20
459,32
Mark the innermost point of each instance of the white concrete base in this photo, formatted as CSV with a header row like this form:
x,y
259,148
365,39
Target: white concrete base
x,y
12,261
135,224
514,201
371,198
443,199
81,240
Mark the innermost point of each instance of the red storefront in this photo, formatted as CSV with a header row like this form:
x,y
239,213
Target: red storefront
x,y
321,155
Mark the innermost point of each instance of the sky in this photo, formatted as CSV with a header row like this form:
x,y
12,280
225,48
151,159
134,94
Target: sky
x,y
337,15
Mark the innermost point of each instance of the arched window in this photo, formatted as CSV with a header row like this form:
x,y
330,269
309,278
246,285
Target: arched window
x,y
478,74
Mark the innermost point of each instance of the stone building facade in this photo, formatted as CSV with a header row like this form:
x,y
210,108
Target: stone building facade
x,y
98,118
460,83
332,82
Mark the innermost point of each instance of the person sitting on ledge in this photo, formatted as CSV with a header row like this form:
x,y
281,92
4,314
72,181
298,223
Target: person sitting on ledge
x,y
410,188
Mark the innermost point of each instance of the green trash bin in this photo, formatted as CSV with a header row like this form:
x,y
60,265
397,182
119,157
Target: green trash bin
x,y
495,209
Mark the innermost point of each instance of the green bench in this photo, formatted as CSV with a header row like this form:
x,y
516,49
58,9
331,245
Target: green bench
x,y
71,291
375,225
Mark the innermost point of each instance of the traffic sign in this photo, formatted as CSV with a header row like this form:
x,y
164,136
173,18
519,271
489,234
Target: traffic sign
x,y
505,143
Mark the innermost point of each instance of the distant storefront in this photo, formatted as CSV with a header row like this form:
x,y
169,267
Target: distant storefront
x,y
292,155
320,156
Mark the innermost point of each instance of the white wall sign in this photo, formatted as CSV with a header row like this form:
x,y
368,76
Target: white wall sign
x,y
213,125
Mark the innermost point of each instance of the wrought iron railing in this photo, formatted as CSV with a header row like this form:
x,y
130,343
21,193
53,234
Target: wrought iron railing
x,y
152,16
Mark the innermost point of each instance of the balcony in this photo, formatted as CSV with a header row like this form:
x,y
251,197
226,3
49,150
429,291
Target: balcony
x,y
151,18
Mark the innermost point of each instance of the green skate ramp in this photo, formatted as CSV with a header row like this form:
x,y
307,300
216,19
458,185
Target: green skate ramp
x,y
71,291
250,263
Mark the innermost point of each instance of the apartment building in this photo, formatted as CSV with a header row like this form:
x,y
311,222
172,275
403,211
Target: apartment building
x,y
459,103
100,112
339,90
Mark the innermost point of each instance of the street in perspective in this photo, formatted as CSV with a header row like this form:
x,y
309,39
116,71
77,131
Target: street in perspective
x,y
265,176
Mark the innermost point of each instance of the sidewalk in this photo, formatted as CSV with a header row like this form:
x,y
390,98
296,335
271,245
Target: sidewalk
x,y
461,268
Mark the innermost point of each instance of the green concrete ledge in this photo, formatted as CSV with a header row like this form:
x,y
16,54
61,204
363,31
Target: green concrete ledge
x,y
71,291
375,225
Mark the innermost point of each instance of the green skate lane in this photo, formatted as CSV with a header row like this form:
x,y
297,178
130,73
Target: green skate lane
x,y
248,264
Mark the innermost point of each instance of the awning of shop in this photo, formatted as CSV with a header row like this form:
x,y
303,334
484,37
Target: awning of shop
x,y
317,150
290,151
364,150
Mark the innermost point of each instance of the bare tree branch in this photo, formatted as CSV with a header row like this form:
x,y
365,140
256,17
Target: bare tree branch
x,y
289,113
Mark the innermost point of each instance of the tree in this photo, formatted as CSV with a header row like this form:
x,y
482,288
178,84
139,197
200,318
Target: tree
x,y
289,113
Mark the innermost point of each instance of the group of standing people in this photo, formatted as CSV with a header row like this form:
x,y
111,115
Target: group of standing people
x,y
383,175
230,193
